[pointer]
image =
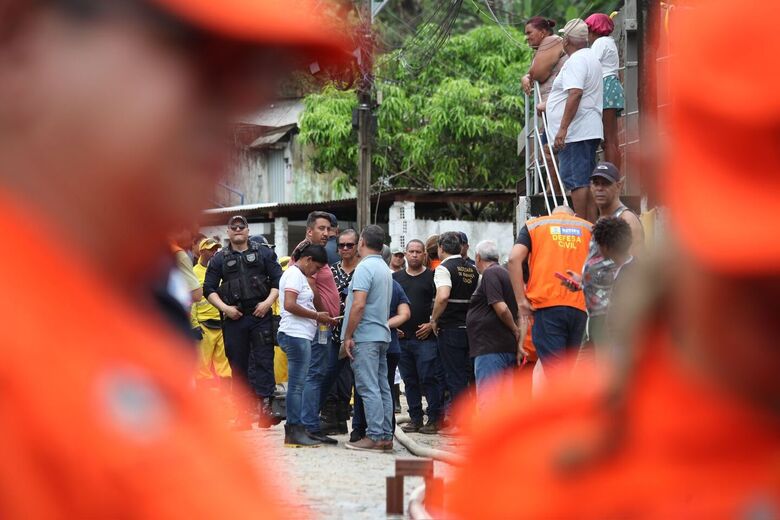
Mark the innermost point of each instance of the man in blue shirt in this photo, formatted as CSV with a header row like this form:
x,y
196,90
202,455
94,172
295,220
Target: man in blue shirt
x,y
400,312
366,337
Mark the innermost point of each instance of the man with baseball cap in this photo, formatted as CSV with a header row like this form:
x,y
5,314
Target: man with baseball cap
x,y
242,281
398,259
206,317
606,183
688,425
109,107
574,116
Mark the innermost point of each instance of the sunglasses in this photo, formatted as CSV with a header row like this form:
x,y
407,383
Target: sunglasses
x,y
238,227
347,245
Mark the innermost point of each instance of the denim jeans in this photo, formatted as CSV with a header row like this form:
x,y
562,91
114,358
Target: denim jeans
x,y
420,369
370,368
315,379
298,352
454,355
557,330
359,417
488,368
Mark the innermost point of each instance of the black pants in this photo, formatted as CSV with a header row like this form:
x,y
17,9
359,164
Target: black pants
x,y
458,365
250,352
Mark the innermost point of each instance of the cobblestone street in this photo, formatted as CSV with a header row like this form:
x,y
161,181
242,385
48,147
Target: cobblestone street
x,y
334,482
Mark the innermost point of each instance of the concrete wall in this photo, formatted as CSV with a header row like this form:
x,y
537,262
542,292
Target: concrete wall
x,y
500,232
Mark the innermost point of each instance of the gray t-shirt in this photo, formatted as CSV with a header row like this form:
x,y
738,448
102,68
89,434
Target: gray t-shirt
x,y
373,276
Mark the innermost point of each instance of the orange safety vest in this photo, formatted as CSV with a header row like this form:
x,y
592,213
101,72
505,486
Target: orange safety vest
x,y
98,417
558,243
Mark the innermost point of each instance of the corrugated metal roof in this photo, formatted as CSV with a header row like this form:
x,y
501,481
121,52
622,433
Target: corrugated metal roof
x,y
271,137
255,210
279,113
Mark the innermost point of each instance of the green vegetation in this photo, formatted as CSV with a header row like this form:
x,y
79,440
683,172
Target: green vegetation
x,y
451,122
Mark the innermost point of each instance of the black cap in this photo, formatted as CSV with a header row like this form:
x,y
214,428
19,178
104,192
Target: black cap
x,y
606,170
242,218
463,238
333,220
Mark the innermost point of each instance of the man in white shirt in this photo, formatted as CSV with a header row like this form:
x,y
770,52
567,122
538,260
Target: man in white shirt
x,y
574,116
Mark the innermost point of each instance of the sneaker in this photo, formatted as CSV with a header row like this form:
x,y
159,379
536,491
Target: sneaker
x,y
366,444
411,427
356,435
319,436
432,428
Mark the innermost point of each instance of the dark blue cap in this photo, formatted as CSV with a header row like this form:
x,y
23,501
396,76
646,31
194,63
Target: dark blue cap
x,y
606,170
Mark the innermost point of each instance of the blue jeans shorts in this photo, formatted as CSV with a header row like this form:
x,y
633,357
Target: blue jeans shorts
x,y
576,162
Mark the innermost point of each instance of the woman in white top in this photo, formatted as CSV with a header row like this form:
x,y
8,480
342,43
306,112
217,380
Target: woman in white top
x,y
600,26
296,332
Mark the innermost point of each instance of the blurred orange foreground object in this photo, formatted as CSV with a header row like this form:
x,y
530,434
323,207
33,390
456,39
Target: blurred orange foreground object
x,y
724,134
707,456
289,23
98,417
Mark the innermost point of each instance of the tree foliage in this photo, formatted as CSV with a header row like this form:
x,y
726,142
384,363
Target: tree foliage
x,y
453,124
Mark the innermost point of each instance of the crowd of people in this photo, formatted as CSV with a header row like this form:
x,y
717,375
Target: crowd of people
x,y
106,424
581,95
450,324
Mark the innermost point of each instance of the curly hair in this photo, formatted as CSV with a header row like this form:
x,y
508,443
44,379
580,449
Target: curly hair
x,y
613,233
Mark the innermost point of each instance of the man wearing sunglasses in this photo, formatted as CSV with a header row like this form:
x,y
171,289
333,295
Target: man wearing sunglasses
x,y
116,120
242,281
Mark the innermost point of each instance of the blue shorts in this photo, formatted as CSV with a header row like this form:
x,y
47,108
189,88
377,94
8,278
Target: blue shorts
x,y
576,162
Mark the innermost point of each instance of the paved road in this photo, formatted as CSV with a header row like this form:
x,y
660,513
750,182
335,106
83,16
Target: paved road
x,y
333,482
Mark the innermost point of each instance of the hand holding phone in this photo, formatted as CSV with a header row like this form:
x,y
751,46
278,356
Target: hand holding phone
x,y
569,282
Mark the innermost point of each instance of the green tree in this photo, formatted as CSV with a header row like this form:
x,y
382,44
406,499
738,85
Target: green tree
x,y
454,123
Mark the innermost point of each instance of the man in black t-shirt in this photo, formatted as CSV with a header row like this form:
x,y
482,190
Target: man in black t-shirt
x,y
491,321
419,364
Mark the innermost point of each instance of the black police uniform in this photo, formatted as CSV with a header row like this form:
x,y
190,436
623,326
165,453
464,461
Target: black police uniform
x,y
244,279
453,340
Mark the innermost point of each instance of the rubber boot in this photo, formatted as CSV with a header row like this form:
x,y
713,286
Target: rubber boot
x,y
296,437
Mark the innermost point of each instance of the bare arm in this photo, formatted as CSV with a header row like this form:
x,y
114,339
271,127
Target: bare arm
x,y
516,258
355,312
544,62
355,315
637,233
569,111
404,312
291,305
197,294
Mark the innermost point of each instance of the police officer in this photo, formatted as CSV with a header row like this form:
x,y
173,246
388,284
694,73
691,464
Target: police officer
x,y
455,280
242,281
